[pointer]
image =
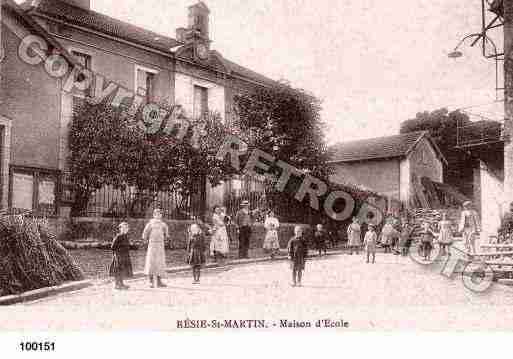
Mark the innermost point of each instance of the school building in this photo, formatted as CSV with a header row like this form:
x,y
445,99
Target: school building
x,y
35,111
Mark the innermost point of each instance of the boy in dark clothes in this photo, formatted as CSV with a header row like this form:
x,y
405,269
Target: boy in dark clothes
x,y
196,251
298,251
121,266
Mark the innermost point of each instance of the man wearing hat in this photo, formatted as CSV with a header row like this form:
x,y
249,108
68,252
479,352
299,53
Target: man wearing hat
x,y
469,226
244,221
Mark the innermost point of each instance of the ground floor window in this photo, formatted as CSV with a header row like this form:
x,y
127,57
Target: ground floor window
x,y
34,190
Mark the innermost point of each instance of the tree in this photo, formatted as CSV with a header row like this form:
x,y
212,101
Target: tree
x,y
442,126
284,121
109,147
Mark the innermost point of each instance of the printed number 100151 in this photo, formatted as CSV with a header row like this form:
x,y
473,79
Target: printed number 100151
x,y
37,346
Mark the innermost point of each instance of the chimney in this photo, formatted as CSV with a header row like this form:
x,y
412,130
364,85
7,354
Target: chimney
x,y
180,33
84,4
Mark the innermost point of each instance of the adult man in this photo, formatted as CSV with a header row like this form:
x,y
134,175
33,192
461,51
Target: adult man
x,y
244,221
469,226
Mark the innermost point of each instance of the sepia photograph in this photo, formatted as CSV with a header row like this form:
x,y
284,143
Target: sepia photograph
x,y
229,166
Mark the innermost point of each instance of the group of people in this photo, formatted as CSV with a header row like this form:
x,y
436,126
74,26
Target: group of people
x,y
156,232
398,238
393,238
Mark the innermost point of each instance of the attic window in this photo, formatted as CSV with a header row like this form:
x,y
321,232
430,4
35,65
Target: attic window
x,y
423,157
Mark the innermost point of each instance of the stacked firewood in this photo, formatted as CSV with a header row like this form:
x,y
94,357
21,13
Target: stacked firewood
x,y
30,256
433,217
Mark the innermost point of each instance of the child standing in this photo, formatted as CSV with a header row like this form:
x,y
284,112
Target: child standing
x,y
426,240
354,235
321,239
445,236
405,238
196,251
298,250
271,241
121,265
387,234
370,240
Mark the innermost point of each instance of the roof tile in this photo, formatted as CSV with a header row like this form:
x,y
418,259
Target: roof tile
x,y
376,148
93,20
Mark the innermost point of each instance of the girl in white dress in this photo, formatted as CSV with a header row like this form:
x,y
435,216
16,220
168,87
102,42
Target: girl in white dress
x,y
219,244
271,241
354,236
445,236
155,233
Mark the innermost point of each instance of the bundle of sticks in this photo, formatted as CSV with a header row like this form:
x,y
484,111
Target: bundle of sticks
x,y
30,256
433,217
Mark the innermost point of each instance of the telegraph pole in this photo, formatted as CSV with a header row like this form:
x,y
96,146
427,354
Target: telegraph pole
x,y
508,101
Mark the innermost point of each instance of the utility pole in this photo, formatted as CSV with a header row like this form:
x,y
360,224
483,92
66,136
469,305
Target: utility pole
x,y
508,101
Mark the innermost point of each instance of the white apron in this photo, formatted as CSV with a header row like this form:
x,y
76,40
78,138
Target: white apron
x,y
219,241
155,233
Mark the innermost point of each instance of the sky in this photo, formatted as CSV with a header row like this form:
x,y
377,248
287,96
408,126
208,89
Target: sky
x,y
373,63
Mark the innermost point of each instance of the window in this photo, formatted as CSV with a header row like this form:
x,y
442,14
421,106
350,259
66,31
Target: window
x,y
2,130
34,190
5,140
200,101
85,60
145,83
423,157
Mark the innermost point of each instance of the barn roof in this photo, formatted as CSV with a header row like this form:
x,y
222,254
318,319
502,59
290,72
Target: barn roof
x,y
381,147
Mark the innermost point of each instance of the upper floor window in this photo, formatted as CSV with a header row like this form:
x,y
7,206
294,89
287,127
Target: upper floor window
x,y
423,156
85,60
200,101
145,83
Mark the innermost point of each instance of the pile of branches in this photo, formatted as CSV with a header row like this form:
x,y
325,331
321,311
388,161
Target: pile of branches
x,y
30,256
433,217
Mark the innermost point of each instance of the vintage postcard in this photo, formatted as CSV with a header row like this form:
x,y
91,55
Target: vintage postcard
x,y
271,166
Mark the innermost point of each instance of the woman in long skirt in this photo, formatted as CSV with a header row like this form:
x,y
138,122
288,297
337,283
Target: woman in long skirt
x,y
219,245
121,265
469,226
271,241
354,235
155,233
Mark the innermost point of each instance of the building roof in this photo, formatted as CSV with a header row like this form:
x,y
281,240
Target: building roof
x,y
244,71
35,27
95,21
74,15
381,147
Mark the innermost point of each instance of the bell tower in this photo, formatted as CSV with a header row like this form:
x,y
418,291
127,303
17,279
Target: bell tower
x,y
199,20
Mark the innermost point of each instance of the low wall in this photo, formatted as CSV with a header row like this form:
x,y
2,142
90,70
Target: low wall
x,y
103,230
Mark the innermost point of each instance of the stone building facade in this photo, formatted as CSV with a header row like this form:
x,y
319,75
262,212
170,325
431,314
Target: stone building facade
x,y
388,165
185,70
